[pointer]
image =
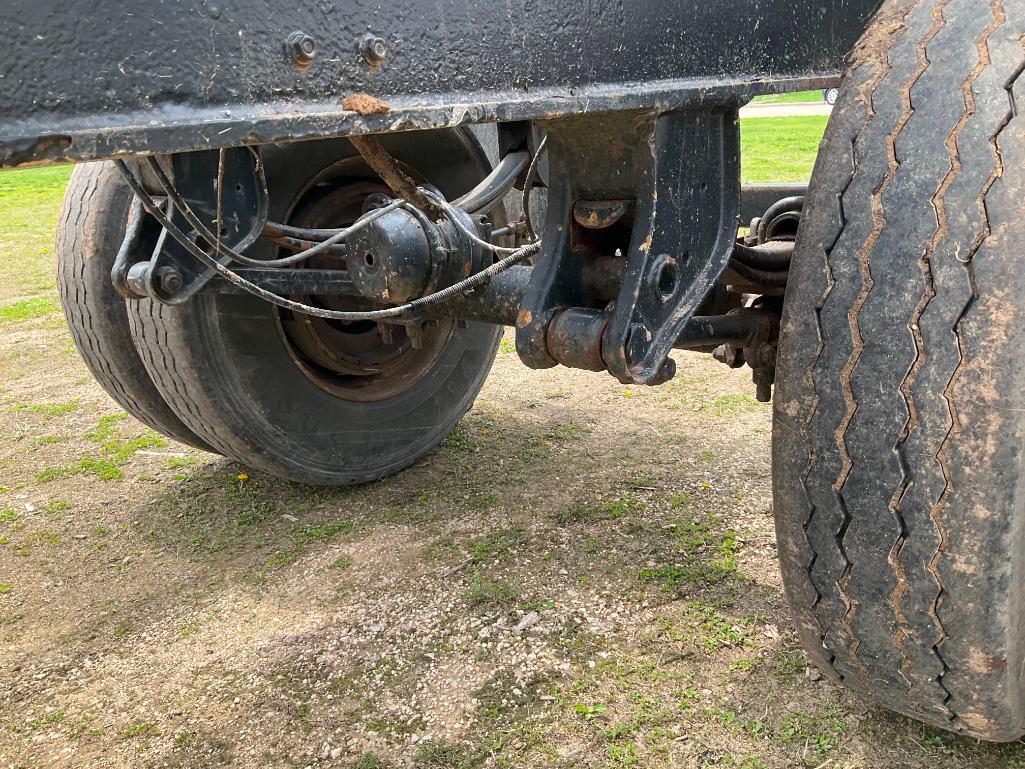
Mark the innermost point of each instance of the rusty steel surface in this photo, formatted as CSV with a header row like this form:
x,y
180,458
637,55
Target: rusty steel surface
x,y
85,80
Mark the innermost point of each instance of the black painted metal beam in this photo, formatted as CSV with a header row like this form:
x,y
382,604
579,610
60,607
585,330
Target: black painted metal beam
x,y
85,80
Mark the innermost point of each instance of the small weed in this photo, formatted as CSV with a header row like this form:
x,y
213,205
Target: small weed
x,y
731,405
788,666
745,665
498,544
108,467
535,448
104,429
370,761
626,505
444,546
445,755
588,511
580,512
101,468
707,554
120,453
688,697
537,604
8,515
464,439
142,729
183,739
506,347
483,501
488,594
276,561
178,463
322,531
54,506
588,712
722,631
48,440
48,410
567,431
343,562
641,482
254,514
50,719
5,588
51,539
28,309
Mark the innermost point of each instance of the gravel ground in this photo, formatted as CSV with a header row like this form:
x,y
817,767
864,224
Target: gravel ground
x,y
583,575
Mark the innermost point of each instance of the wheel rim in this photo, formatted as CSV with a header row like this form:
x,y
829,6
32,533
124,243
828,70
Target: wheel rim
x,y
362,360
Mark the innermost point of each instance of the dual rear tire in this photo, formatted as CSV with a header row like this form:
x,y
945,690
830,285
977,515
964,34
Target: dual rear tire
x,y
315,402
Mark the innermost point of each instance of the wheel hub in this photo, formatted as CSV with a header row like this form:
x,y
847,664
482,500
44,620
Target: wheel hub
x,y
363,360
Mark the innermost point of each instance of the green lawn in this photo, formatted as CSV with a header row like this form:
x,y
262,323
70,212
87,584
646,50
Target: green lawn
x,y
29,204
780,149
798,97
773,150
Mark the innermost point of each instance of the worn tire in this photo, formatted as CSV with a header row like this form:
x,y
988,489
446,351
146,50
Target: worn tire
x,y
899,423
221,361
89,233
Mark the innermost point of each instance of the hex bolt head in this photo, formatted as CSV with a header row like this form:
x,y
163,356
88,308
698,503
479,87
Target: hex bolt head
x,y
169,280
373,49
729,355
301,49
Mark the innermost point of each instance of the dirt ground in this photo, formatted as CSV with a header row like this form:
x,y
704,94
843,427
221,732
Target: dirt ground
x,y
583,575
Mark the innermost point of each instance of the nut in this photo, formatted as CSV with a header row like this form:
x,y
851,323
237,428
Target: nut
x,y
169,280
729,355
373,49
301,49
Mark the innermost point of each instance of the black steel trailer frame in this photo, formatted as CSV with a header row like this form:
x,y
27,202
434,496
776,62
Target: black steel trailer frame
x,y
83,81
638,103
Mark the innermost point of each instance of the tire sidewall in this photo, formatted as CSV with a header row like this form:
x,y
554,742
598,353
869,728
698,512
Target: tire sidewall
x,y
263,410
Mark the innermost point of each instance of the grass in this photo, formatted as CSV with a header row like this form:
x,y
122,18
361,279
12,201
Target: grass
x,y
796,97
780,149
142,729
48,410
27,309
29,205
115,454
706,554
444,755
497,545
486,594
